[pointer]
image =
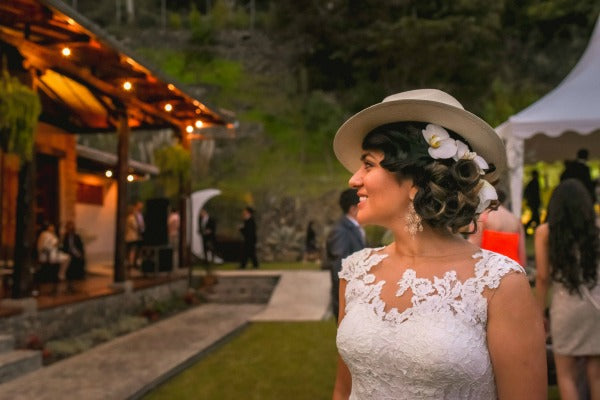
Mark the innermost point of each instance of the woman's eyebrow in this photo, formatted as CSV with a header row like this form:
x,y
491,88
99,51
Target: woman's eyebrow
x,y
364,156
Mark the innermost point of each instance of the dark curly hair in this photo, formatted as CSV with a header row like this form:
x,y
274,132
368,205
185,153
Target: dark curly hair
x,y
573,240
447,195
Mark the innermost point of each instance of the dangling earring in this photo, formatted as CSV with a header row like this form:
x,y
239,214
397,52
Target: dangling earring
x,y
413,221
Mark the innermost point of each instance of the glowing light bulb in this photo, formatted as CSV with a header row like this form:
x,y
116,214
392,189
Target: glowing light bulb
x,y
130,178
189,129
127,85
168,107
199,124
108,173
66,51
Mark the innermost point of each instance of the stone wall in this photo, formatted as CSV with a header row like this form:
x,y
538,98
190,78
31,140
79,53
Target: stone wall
x,y
282,222
72,319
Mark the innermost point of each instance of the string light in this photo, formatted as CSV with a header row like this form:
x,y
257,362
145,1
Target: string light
x,y
130,178
127,85
168,107
199,124
189,129
108,173
66,51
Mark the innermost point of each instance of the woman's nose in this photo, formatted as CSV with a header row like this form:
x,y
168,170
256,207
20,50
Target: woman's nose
x,y
355,180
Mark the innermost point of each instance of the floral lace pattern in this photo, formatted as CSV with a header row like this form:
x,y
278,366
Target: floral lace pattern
x,y
434,349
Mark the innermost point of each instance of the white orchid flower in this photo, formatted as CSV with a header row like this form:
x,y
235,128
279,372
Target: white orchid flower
x,y
486,194
441,145
463,153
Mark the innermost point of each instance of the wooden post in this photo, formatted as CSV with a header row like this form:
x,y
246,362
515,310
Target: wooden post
x,y
25,233
184,194
121,176
25,239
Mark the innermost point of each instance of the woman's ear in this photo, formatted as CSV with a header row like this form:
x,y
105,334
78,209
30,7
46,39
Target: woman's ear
x,y
413,192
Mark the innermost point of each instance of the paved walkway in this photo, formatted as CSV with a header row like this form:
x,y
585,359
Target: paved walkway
x,y
130,365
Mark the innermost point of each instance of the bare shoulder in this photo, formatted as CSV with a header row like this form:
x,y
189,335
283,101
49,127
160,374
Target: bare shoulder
x,y
512,297
542,230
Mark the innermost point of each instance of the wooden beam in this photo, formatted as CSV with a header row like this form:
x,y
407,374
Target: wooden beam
x,y
41,58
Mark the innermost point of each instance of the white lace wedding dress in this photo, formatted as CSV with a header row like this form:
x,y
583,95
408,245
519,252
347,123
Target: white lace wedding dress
x,y
435,349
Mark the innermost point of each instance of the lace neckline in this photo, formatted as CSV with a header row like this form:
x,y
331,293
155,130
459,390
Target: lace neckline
x,y
437,294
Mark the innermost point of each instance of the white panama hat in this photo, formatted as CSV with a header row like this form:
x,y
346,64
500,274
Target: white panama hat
x,y
422,105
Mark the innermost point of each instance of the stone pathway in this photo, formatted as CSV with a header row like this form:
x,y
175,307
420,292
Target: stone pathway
x,y
299,296
131,365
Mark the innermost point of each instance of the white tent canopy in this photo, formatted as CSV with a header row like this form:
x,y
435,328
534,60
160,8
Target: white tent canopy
x,y
560,123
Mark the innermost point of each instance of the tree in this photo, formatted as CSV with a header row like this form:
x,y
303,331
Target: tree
x,y
20,108
174,163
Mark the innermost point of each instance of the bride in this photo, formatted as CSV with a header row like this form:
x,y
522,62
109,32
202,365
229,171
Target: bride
x,y
431,316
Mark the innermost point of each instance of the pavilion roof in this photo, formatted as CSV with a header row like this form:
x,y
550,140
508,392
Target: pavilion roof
x,y
84,91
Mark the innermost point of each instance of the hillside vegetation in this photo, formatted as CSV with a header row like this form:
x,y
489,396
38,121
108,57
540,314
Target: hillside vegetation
x,y
293,70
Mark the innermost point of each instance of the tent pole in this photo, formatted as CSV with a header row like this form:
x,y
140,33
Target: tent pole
x,y
515,156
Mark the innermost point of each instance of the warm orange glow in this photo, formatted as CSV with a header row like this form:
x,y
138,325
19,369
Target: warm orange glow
x,y
108,173
196,103
198,111
168,107
127,85
189,129
94,43
199,124
171,86
70,21
196,136
130,178
66,51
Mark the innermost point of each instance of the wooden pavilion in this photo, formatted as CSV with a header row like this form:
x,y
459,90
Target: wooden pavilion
x,y
87,82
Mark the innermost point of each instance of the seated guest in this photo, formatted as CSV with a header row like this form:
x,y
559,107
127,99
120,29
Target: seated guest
x,y
73,246
48,252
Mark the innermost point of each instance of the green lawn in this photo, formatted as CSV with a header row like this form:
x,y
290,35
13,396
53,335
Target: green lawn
x,y
266,361
273,360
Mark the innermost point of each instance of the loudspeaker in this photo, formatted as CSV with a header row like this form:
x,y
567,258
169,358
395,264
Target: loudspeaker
x,y
153,255
155,219
165,259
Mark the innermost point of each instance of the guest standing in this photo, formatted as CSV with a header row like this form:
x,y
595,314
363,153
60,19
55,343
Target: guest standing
x,y
567,257
173,225
501,231
139,217
532,197
578,169
345,238
311,251
248,231
207,228
132,237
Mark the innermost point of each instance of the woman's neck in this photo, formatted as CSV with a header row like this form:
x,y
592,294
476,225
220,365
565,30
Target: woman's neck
x,y
428,243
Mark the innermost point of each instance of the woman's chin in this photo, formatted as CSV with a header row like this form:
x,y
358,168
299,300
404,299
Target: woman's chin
x,y
363,219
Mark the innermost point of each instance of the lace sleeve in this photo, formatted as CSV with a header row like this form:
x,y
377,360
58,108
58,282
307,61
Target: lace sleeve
x,y
348,271
358,264
493,267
